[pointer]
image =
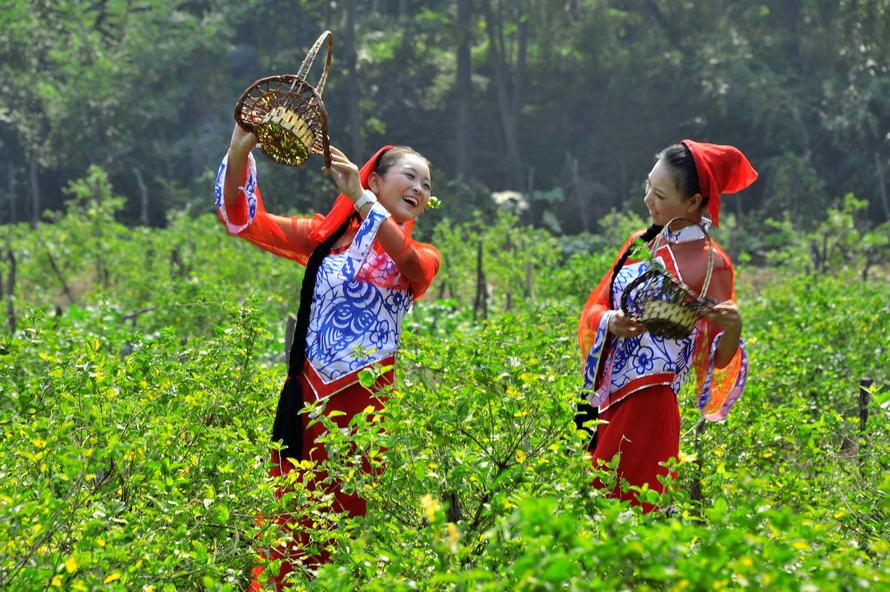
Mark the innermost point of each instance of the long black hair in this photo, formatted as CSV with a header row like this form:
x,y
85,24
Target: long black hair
x,y
288,427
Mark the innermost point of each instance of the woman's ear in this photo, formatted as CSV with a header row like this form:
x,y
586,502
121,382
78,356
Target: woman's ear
x,y
694,203
374,182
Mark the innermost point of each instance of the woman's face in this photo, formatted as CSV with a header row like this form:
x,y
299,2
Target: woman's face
x,y
405,188
663,198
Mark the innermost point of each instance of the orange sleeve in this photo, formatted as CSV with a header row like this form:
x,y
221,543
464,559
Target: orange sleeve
x,y
718,388
281,235
417,262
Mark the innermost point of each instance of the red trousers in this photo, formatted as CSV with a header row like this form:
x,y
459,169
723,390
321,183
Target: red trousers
x,y
351,401
645,429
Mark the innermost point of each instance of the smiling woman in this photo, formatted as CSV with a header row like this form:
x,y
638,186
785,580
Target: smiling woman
x,y
632,374
363,271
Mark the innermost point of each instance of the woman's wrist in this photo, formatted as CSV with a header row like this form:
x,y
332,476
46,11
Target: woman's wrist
x,y
238,152
365,197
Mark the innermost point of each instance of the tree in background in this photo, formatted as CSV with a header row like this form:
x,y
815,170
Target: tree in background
x,y
532,96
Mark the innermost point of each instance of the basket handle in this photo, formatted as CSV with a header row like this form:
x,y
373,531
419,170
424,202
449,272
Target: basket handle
x,y
310,58
641,279
707,282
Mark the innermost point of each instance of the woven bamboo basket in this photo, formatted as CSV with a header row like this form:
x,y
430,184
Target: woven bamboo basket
x,y
287,113
668,308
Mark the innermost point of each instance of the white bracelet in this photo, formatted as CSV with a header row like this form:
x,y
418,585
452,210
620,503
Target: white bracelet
x,y
366,197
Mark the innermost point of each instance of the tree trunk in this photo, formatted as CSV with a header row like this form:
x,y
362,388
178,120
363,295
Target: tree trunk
x,y
57,271
529,214
522,52
143,195
12,197
481,303
494,27
10,291
578,190
527,293
882,187
35,191
464,88
355,123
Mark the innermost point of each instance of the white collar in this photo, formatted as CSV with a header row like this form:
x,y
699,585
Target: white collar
x,y
688,233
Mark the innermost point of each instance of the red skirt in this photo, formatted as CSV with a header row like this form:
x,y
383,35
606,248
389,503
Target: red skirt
x,y
645,429
351,401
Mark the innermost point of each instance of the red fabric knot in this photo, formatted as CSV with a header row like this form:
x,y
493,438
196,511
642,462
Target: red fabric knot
x,y
721,169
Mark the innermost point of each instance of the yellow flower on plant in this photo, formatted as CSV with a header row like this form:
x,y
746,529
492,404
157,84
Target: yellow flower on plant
x,y
453,537
431,506
685,458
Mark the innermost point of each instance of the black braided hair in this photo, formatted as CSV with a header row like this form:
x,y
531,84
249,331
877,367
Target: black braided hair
x,y
288,427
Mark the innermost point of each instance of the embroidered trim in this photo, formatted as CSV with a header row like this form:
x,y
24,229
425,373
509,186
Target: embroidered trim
x,y
322,389
594,361
635,386
364,239
248,191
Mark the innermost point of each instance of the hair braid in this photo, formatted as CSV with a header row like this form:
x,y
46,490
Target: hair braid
x,y
288,427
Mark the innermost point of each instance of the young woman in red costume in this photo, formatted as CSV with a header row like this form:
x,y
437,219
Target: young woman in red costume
x,y
631,378
363,272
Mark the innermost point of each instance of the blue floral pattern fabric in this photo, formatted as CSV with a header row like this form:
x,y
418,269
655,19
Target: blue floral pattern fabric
x,y
249,190
634,358
355,322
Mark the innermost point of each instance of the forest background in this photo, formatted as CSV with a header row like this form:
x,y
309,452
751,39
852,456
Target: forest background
x,y
564,101
142,347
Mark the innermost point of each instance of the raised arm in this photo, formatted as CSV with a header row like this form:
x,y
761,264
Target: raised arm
x,y
241,210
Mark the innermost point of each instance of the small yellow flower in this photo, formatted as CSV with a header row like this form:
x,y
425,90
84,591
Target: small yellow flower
x,y
431,506
685,458
453,537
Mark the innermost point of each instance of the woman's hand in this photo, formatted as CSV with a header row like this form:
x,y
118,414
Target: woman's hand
x,y
345,174
726,316
622,325
242,141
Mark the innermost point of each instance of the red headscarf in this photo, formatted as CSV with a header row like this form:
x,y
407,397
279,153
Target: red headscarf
x,y
343,206
721,169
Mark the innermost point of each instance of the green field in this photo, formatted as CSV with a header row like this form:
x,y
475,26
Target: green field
x,y
138,390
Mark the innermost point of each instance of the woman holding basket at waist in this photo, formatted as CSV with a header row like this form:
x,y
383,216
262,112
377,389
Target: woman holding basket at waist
x,y
632,376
